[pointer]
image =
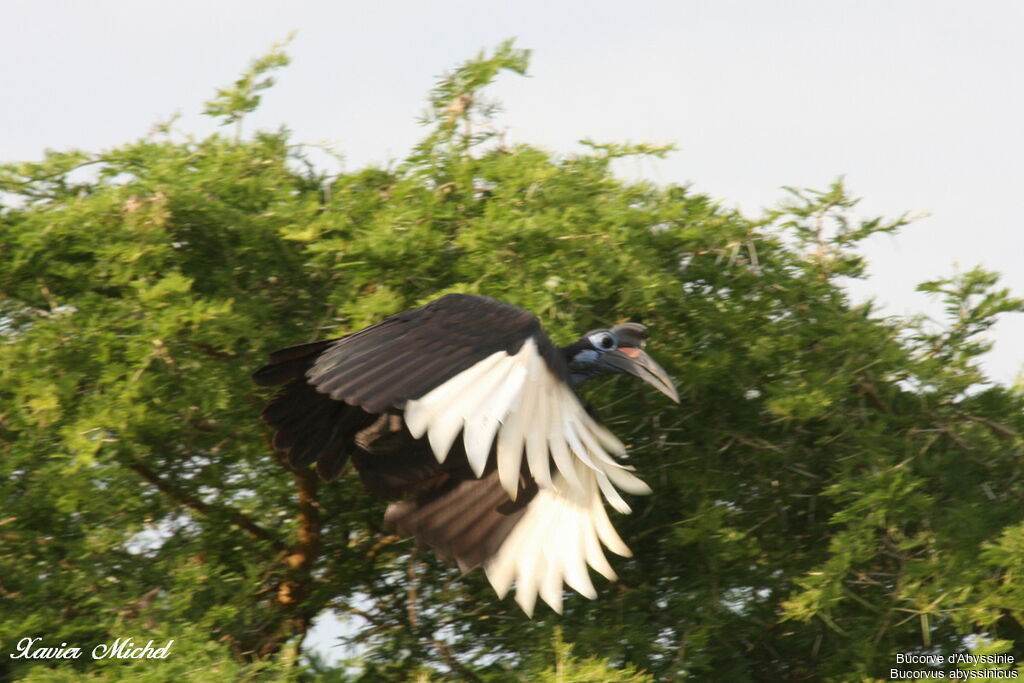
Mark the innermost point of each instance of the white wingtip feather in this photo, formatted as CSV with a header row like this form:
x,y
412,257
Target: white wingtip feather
x,y
442,435
611,494
442,411
484,409
558,537
610,442
628,482
510,456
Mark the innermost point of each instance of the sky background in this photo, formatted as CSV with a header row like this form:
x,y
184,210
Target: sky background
x,y
918,103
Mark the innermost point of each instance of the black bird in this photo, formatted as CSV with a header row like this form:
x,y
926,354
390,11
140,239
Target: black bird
x,y
520,493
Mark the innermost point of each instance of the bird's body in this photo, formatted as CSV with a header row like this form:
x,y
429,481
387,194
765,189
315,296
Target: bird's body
x,y
520,492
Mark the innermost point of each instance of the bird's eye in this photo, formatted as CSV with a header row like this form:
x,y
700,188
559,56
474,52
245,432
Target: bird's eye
x,y
603,340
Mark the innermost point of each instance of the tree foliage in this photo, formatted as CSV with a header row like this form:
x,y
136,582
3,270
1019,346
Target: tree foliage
x,y
836,487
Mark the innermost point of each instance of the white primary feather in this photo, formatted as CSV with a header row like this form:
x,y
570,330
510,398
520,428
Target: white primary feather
x,y
480,425
509,453
516,403
627,481
457,407
569,434
560,453
484,418
440,413
611,495
559,535
540,414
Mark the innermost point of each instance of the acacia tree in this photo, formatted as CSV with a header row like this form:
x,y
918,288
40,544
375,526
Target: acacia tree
x,y
836,486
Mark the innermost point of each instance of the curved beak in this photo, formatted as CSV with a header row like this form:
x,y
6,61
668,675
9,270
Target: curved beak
x,y
636,362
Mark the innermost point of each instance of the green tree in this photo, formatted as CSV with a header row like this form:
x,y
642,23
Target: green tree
x,y
836,487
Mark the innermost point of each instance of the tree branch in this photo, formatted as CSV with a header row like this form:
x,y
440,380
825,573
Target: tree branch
x,y
294,590
190,501
306,550
455,665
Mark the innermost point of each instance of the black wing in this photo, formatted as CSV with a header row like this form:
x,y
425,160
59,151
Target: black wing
x,y
381,367
410,353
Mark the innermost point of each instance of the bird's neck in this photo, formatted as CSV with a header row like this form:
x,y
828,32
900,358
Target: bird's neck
x,y
581,365
578,377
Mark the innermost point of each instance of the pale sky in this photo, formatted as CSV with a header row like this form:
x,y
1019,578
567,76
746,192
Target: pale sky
x,y
918,103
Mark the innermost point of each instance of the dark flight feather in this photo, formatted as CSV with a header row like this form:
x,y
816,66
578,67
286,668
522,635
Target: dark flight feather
x,y
404,349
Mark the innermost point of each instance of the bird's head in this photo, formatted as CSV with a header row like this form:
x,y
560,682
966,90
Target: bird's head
x,y
618,350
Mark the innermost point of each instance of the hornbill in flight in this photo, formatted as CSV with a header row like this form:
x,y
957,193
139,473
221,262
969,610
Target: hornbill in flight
x,y
520,492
